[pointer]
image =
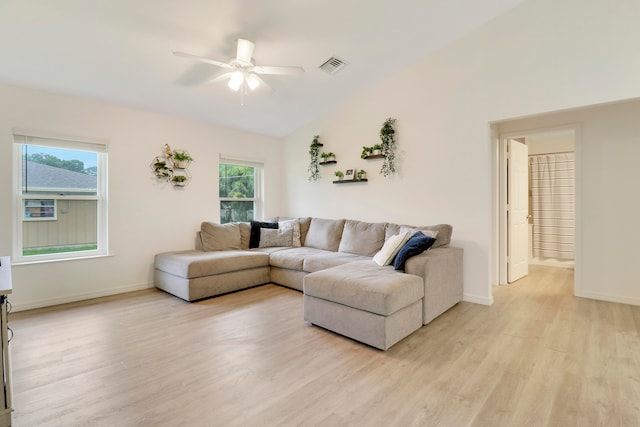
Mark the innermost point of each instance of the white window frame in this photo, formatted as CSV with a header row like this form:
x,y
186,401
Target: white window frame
x,y
29,137
258,188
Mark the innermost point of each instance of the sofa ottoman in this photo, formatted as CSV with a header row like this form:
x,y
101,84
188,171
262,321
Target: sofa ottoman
x,y
193,275
363,301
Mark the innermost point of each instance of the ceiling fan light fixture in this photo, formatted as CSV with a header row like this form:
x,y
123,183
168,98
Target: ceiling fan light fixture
x,y
245,51
252,81
236,80
242,73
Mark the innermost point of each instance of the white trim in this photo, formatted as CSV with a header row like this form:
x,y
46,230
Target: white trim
x,y
241,160
258,185
88,255
477,299
500,174
48,302
610,298
101,200
39,134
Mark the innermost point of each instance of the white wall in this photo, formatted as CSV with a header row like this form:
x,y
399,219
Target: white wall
x,y
541,56
145,216
607,233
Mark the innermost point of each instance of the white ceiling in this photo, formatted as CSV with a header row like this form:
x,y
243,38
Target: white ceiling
x,y
120,51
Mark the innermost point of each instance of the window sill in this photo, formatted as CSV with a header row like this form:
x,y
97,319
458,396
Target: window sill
x,y
45,261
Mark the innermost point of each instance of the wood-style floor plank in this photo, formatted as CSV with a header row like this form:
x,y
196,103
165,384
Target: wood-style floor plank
x,y
538,357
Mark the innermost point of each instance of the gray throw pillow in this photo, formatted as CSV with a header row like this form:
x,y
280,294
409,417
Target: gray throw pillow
x,y
220,237
324,234
443,232
270,237
362,238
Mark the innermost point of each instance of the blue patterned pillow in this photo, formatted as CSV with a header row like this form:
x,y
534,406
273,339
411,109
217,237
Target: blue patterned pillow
x,y
417,244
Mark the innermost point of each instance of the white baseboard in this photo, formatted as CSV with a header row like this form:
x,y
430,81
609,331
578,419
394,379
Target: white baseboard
x,y
609,298
477,299
78,297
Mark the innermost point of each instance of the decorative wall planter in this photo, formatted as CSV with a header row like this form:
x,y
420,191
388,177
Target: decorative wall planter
x,y
172,167
388,138
314,153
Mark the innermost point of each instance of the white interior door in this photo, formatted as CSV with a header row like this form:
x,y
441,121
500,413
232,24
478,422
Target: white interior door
x,y
518,210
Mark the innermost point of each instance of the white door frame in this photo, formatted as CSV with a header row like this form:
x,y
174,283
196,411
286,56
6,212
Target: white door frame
x,y
501,199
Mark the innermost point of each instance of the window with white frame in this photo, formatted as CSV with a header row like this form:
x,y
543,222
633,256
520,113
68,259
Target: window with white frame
x,y
60,198
240,190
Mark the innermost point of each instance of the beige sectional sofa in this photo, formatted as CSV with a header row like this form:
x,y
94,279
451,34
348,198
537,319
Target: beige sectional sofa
x,y
330,260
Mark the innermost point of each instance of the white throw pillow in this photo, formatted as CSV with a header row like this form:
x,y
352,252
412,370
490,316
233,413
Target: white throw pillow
x,y
391,248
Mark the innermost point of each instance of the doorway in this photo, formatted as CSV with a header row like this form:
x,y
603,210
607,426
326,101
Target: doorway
x,y
550,204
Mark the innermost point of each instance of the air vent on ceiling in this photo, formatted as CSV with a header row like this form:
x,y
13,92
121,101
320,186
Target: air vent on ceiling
x,y
333,65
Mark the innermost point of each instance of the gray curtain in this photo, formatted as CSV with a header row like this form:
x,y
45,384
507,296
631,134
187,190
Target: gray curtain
x,y
553,205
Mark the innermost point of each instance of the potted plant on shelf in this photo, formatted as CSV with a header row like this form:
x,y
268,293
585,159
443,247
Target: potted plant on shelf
x,y
314,152
376,149
160,169
181,159
179,180
339,174
327,157
361,174
366,152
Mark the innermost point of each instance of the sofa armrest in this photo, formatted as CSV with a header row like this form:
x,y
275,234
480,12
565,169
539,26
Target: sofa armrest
x,y
441,269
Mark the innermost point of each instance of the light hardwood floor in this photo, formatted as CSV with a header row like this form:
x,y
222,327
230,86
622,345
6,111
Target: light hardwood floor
x,y
537,357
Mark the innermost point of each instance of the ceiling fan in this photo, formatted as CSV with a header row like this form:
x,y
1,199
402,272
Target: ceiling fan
x,y
243,74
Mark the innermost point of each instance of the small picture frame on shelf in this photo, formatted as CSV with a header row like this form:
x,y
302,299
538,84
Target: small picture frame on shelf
x,y
349,174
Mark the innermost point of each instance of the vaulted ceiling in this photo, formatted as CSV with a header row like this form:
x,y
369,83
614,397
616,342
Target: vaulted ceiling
x,y
121,51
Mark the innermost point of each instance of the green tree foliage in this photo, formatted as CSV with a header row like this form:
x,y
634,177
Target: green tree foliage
x,y
236,182
72,165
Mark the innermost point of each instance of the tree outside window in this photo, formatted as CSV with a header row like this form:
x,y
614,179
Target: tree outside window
x,y
239,192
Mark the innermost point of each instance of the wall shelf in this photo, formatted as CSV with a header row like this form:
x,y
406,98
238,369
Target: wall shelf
x,y
350,181
328,162
374,156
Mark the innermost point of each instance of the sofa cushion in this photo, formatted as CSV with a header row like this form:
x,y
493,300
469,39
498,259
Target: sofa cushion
x,y
327,259
417,244
245,234
444,232
391,248
362,238
292,258
192,264
220,237
305,222
254,237
324,234
365,286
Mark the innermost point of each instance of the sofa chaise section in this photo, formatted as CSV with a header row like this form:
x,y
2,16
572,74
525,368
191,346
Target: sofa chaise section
x,y
361,300
193,275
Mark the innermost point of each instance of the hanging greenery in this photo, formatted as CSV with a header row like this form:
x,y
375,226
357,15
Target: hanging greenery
x,y
388,137
314,151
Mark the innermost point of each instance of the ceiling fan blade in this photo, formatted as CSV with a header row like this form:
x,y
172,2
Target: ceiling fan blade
x,y
245,51
263,84
220,78
201,59
268,69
